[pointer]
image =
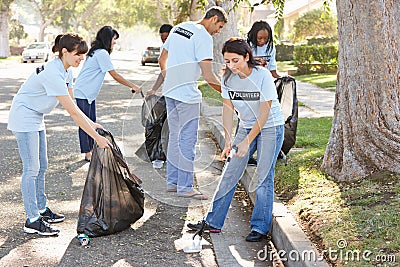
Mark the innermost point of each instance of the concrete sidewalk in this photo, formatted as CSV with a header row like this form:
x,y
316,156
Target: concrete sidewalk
x,y
287,234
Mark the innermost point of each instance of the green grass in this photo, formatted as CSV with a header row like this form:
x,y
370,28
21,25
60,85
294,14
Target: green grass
x,y
324,80
365,213
11,58
210,95
285,66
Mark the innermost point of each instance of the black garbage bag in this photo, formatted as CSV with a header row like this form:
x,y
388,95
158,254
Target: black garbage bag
x,y
154,115
287,96
112,198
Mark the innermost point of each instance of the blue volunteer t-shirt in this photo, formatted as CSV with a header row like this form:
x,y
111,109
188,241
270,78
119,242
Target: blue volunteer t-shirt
x,y
37,96
246,95
70,78
91,77
188,43
269,55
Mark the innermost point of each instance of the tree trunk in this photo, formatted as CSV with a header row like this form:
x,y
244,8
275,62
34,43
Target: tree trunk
x,y
228,31
195,12
4,42
365,135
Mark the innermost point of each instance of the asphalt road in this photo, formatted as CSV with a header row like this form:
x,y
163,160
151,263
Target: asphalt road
x,y
158,237
149,242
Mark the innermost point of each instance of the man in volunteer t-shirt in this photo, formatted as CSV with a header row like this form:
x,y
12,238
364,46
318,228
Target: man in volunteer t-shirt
x,y
187,54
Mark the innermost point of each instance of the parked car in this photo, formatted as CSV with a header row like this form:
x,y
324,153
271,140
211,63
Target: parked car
x,y
37,51
150,55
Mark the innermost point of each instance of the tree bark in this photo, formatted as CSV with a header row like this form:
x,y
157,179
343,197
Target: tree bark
x,y
365,135
4,42
229,30
195,12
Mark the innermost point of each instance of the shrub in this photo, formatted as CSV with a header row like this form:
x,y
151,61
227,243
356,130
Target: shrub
x,y
284,52
315,58
322,40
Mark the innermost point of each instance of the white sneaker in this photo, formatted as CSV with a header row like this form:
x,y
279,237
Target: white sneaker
x,y
158,164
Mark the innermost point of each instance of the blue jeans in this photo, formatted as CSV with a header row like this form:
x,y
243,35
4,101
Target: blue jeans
x,y
183,122
85,141
268,142
32,148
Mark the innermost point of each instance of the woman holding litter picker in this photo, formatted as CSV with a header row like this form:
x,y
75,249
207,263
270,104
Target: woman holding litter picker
x,y
251,91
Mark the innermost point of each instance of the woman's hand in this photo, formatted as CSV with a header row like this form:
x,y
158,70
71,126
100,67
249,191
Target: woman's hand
x,y
97,126
136,89
243,148
103,142
151,92
260,61
227,150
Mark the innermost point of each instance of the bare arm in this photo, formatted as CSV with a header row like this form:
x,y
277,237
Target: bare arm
x,y
116,76
227,123
162,61
157,84
71,92
208,74
275,74
82,121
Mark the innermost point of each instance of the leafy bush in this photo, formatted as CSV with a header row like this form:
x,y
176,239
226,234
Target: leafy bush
x,y
315,58
321,40
284,52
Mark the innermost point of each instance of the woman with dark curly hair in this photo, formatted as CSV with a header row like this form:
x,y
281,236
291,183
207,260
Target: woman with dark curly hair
x,y
261,42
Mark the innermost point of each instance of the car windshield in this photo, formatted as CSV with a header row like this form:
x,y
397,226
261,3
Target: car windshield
x,y
36,46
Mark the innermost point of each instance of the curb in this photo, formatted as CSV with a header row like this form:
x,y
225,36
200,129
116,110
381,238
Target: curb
x,y
293,246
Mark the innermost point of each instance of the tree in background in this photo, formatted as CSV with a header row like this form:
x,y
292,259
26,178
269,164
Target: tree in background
x,y
316,22
17,31
4,36
48,11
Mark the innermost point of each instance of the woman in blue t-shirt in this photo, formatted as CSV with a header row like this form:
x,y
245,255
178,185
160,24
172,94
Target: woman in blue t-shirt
x,y
250,90
91,77
261,42
38,96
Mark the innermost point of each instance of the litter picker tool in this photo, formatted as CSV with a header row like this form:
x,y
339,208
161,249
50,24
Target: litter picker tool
x,y
195,242
228,160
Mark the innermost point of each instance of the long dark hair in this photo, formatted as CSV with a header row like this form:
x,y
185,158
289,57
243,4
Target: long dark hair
x,y
56,43
103,40
71,42
252,34
241,47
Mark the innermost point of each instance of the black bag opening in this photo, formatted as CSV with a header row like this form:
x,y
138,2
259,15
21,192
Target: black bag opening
x,y
287,96
154,119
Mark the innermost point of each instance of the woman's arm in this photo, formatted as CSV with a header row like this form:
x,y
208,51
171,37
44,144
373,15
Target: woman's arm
x,y
82,121
157,84
262,118
227,123
275,74
116,76
71,92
